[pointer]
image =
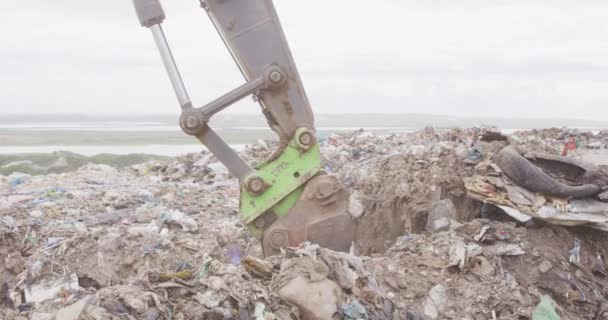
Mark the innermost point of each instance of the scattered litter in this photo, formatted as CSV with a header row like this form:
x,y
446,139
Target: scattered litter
x,y
180,218
257,267
52,242
73,311
144,229
474,156
460,253
167,276
209,298
42,316
235,253
575,253
354,311
50,288
436,302
9,223
17,178
478,237
36,214
439,216
545,310
544,266
502,249
304,284
355,207
261,313
516,214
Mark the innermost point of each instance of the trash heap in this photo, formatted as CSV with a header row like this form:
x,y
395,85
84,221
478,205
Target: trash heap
x,y
443,233
552,140
560,203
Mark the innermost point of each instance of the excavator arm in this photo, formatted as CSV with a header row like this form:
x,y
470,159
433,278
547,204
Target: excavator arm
x,y
287,199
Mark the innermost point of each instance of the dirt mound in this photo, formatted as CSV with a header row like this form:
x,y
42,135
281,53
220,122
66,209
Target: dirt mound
x,y
399,178
493,280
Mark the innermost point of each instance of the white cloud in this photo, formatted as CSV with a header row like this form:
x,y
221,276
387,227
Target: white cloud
x,y
471,57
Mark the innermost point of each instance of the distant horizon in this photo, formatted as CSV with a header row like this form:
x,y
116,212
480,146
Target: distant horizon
x,y
169,114
21,132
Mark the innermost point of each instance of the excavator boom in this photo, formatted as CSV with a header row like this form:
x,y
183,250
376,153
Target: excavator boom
x,y
287,199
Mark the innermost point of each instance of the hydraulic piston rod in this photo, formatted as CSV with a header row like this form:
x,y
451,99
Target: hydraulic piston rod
x,y
151,15
169,62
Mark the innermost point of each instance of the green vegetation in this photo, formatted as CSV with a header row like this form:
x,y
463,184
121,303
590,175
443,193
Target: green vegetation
x,y
63,161
120,138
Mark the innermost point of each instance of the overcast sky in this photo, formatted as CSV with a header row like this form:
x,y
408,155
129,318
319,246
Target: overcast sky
x,y
471,57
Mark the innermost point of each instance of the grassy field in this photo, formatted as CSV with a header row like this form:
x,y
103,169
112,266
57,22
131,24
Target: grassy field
x,y
92,138
63,161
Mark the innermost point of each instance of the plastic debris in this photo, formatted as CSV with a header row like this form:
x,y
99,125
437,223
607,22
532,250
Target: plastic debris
x,y
545,266
235,253
575,253
17,178
16,181
167,276
210,298
315,298
261,313
460,253
502,249
180,218
73,311
257,267
9,223
50,288
545,310
354,311
355,207
474,156
439,216
436,302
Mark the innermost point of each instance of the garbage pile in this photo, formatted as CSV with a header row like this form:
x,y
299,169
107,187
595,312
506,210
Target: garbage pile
x,y
446,230
553,140
522,189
